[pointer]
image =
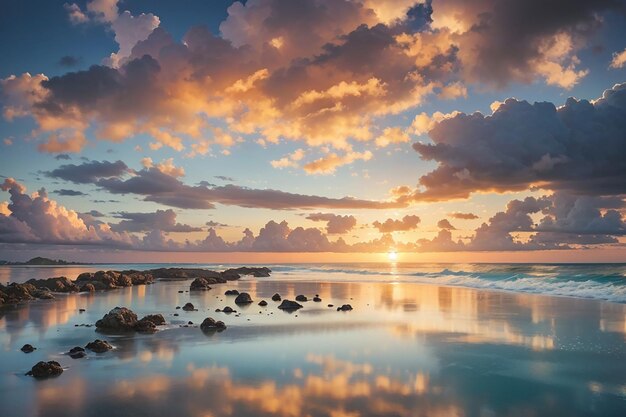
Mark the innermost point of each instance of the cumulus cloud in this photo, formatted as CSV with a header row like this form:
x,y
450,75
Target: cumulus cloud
x,y
335,224
619,60
575,148
163,220
408,222
160,184
463,216
318,71
445,224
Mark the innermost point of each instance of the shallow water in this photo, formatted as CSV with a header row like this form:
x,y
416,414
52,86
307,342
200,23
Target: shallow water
x,y
406,349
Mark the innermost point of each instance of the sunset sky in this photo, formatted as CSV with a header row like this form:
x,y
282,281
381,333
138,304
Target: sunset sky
x,y
281,130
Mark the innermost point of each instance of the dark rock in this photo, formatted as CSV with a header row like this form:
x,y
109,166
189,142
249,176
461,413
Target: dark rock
x,y
243,298
181,291
77,352
257,272
99,346
211,324
190,322
276,297
58,284
212,277
145,326
228,310
189,307
345,307
199,284
88,288
118,319
176,314
45,369
262,303
317,299
42,294
289,305
156,319
81,310
301,297
177,307
331,305
231,292
27,348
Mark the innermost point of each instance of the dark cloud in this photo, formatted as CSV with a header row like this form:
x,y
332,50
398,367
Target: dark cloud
x,y
69,61
445,224
88,172
335,224
212,223
408,222
224,178
163,220
576,148
62,156
463,216
69,193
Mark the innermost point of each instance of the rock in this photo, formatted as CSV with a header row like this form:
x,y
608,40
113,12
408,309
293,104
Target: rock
x,y
212,277
231,292
289,305
181,291
276,297
156,319
43,294
99,346
243,298
81,310
211,324
189,307
118,319
88,288
199,284
228,310
317,299
301,297
176,314
58,284
107,280
145,326
257,272
262,303
45,369
77,352
331,305
345,307
27,348
177,307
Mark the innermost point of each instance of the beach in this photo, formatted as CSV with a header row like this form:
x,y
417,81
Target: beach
x,y
406,349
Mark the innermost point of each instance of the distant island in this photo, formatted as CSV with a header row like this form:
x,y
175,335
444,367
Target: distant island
x,y
42,261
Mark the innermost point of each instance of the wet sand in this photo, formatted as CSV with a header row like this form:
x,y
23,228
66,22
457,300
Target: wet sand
x,y
405,350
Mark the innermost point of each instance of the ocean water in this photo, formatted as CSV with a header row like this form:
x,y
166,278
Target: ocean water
x,y
594,281
422,340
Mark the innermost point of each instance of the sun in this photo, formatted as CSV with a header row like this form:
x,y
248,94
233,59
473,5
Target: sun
x,y
392,255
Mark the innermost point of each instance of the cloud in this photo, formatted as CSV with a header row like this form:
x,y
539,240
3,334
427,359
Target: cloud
x,y
329,163
88,172
69,193
62,156
392,135
445,224
289,161
463,216
575,148
213,223
69,61
335,224
163,220
619,60
408,222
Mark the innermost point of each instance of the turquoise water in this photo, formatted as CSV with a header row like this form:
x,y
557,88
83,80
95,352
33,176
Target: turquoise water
x,y
410,347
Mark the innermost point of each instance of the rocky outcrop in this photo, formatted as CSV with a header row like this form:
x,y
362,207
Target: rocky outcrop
x,y
108,280
199,284
99,346
236,273
28,348
212,277
45,369
289,305
58,284
118,319
156,319
77,352
88,288
243,298
210,324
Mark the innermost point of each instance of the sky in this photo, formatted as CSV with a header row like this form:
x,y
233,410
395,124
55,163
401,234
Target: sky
x,y
313,130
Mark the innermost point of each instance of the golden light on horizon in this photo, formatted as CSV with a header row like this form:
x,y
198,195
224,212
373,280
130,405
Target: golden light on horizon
x,y
392,255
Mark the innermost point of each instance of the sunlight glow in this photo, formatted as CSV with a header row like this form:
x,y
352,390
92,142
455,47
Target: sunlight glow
x,y
392,255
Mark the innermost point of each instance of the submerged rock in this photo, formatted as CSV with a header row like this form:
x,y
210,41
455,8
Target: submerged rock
x,y
317,299
27,348
77,352
345,307
199,284
228,310
45,369
243,298
231,292
276,297
99,346
189,307
212,324
289,305
301,297
118,319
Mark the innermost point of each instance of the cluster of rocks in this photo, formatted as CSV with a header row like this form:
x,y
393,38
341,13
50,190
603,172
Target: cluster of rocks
x,y
108,280
122,319
209,324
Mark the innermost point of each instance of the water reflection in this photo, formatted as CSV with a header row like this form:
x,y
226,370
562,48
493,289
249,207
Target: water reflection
x,y
405,350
